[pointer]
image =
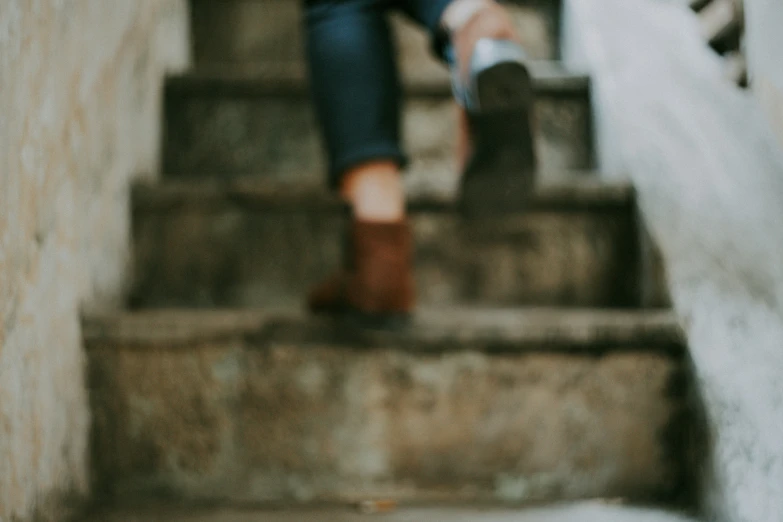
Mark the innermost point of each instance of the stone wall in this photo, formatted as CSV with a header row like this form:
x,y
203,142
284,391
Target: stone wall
x,y
764,46
79,119
707,168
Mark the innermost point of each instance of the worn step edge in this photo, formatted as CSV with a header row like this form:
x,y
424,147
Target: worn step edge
x,y
569,511
508,330
577,194
275,80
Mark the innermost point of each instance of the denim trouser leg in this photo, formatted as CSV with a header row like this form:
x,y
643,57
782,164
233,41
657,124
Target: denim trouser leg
x,y
355,82
428,13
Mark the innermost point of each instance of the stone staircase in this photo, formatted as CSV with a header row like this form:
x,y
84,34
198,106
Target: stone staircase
x,y
543,365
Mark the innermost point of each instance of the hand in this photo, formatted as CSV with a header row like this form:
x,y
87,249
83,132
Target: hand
x,y
490,21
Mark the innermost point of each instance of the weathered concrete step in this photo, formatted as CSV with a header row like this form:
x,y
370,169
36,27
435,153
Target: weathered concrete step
x,y
211,244
252,31
228,122
595,511
469,405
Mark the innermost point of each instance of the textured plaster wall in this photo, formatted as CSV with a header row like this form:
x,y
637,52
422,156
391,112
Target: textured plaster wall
x,y
764,48
79,117
709,173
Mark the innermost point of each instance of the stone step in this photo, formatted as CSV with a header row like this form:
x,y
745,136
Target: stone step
x,y
591,511
252,31
237,123
469,405
245,245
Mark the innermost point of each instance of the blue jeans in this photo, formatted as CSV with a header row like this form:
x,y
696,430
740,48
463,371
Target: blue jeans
x,y
355,82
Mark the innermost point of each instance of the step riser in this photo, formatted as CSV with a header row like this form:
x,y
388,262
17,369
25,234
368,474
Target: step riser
x,y
230,253
270,31
276,137
267,421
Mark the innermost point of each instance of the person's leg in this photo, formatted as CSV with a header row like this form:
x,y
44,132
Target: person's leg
x,y
356,92
357,97
479,42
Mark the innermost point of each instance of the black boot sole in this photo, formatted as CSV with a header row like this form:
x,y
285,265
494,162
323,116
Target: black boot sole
x,y
500,175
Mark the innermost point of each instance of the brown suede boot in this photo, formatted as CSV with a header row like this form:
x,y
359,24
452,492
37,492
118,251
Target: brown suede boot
x,y
376,283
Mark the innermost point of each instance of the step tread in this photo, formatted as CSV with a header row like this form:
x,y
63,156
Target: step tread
x,y
452,328
575,193
589,511
291,80
592,421
222,244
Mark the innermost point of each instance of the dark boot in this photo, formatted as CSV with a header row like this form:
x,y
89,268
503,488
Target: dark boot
x,y
494,86
376,284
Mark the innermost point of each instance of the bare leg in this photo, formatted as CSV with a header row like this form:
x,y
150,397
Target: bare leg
x,y
375,191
